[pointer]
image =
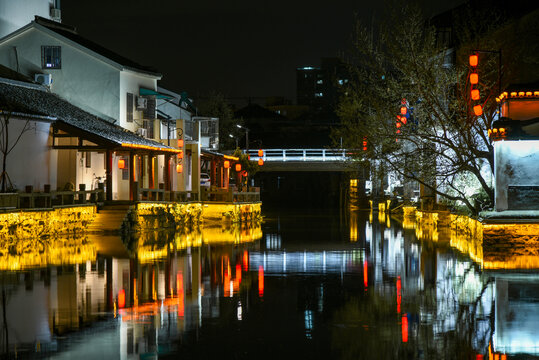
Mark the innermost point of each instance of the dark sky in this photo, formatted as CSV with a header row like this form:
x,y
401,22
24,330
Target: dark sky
x,y
240,48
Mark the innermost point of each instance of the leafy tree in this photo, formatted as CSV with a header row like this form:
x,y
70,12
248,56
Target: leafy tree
x,y
247,165
442,142
216,106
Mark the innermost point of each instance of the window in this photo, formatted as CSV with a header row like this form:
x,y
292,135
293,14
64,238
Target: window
x,y
129,109
51,57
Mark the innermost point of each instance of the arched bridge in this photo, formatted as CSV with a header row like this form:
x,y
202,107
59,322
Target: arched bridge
x,y
304,159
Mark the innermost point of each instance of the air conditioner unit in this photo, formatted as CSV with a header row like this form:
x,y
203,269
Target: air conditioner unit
x,y
142,132
43,79
56,14
142,103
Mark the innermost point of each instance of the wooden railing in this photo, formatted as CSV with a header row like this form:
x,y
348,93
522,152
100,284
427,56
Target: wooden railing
x,y
30,200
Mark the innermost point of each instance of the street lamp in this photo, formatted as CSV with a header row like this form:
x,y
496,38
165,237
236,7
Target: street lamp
x,y
235,138
246,137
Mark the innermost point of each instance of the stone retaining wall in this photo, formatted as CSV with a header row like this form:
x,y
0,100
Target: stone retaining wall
x,y
24,224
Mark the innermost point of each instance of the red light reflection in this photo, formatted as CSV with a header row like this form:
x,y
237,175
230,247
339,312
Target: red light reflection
x,y
260,281
121,299
365,275
404,328
399,295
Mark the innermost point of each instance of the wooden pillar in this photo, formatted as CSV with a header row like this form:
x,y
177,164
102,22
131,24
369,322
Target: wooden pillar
x,y
151,180
166,174
213,173
108,174
132,176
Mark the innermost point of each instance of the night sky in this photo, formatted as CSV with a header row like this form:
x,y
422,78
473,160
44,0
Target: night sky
x,y
239,48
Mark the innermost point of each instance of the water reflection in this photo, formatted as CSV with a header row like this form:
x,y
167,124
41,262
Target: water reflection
x,y
317,285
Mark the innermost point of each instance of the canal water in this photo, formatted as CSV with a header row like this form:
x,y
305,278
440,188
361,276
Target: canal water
x,y
319,285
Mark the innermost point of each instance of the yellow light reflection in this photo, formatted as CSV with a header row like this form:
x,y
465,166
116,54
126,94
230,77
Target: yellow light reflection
x,y
26,253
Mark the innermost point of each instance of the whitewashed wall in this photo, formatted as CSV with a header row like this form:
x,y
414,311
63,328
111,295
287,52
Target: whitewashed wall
x,y
85,81
131,82
516,164
15,14
31,162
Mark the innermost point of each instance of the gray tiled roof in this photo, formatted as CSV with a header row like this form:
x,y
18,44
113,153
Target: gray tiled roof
x,y
29,99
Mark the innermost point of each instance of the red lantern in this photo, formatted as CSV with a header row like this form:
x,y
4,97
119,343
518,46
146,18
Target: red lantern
x,y
260,161
478,110
238,167
179,168
227,164
474,78
403,110
180,155
260,153
474,60
475,94
121,164
399,124
180,143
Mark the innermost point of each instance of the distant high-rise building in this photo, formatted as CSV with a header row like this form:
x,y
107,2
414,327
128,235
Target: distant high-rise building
x,y
15,14
319,87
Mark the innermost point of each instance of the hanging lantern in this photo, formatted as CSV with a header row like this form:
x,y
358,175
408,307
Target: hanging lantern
x,y
227,164
180,155
474,60
180,143
475,94
179,168
399,124
260,153
121,164
238,167
260,161
403,110
478,110
474,78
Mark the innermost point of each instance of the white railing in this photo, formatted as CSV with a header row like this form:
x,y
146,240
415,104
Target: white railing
x,y
307,155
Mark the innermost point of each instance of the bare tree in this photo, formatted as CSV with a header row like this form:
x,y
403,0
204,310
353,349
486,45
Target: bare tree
x,y
7,145
440,143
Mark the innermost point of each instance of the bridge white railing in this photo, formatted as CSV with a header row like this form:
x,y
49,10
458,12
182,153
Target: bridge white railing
x,y
307,155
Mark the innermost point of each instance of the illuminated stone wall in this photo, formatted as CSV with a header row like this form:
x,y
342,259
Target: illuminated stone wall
x,y
180,215
44,223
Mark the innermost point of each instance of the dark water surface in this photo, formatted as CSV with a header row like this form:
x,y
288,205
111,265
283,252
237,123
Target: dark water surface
x,y
318,285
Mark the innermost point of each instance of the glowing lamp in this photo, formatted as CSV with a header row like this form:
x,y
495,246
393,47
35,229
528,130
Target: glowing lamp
x,y
399,124
495,131
227,164
474,60
513,94
474,78
179,168
121,164
489,132
180,143
260,153
260,161
398,131
180,155
475,94
364,148
403,110
478,110
528,93
536,93
238,167
521,93
502,131
121,299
